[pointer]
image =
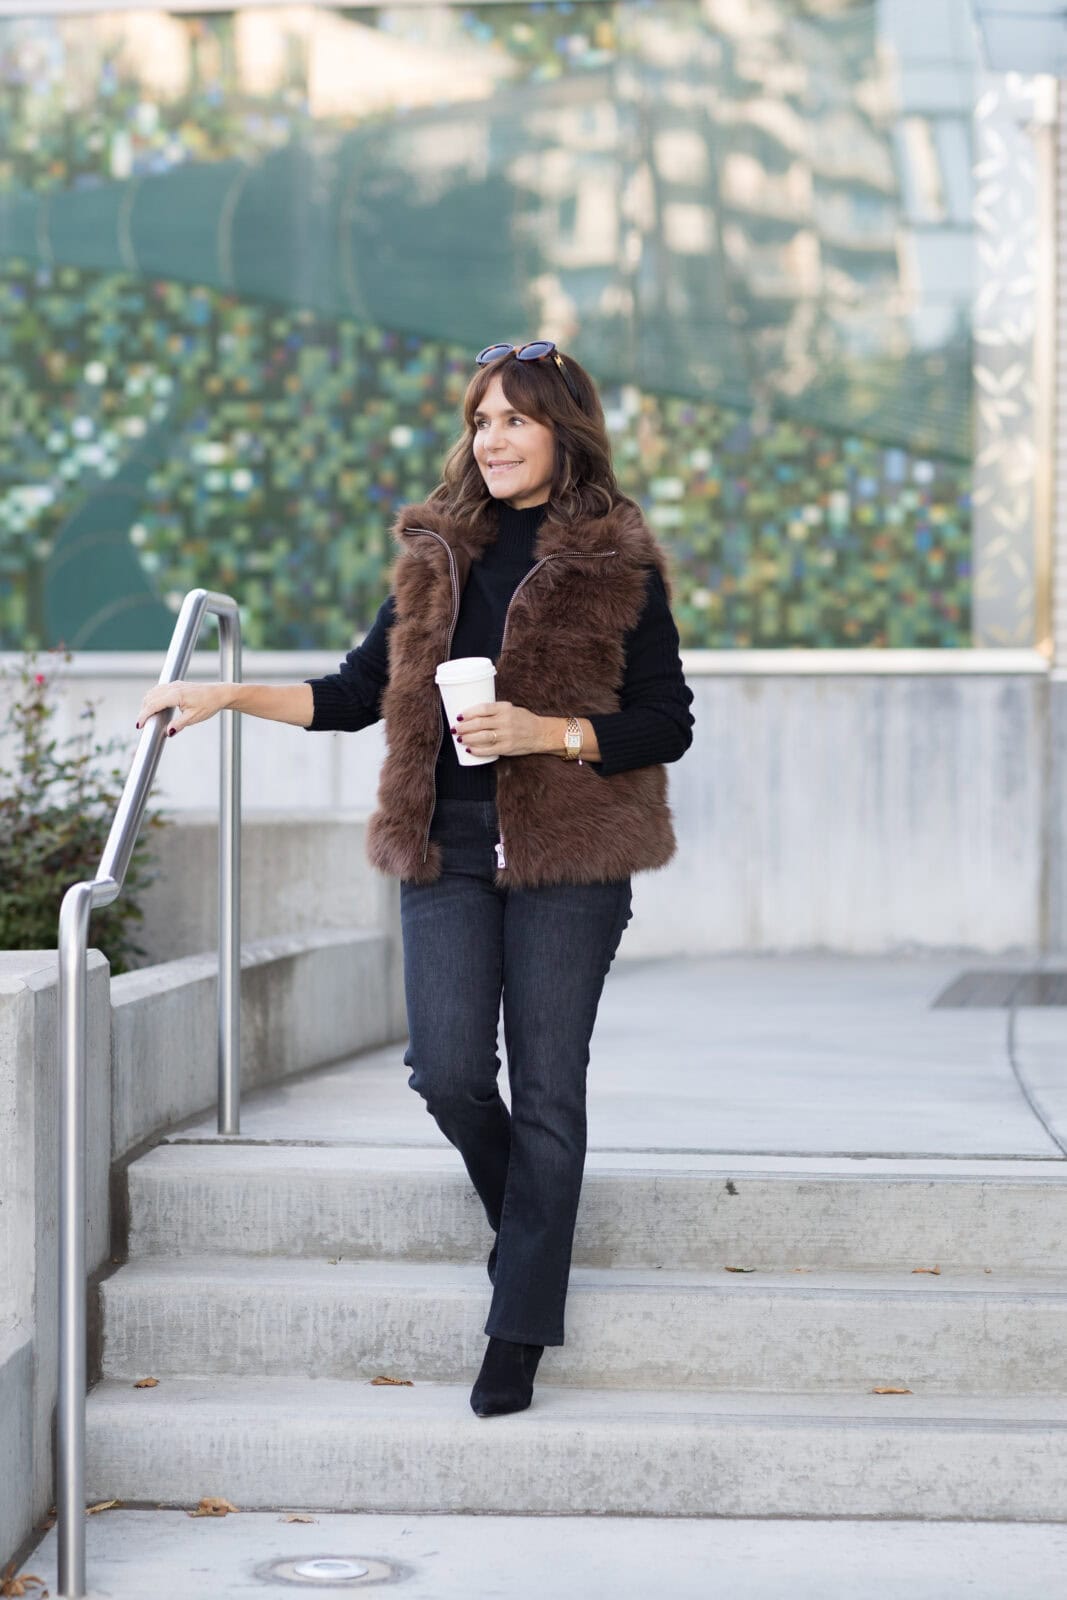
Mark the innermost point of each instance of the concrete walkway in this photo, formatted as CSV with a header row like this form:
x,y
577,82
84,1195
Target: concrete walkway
x,y
171,1556
764,1057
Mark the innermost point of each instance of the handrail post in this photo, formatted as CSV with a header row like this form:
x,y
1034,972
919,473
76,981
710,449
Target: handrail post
x,y
73,939
70,1398
229,1053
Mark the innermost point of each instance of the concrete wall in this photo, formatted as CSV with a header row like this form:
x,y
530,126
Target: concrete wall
x,y
299,870
29,1198
285,768
860,814
306,999
866,801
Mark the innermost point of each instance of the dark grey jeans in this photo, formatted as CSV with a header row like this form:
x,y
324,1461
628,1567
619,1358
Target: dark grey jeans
x,y
547,951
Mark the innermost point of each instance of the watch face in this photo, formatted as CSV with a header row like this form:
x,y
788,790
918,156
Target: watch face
x,y
573,741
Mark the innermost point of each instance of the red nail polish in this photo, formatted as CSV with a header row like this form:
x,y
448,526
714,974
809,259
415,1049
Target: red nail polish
x,y
171,731
459,719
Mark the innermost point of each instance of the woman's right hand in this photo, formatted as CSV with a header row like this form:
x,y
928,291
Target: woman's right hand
x,y
192,702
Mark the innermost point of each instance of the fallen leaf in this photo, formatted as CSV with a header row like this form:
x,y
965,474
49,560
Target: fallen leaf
x,y
212,1505
408,1381
739,1269
147,1383
887,1389
105,1505
296,1517
801,1269
935,1270
10,1585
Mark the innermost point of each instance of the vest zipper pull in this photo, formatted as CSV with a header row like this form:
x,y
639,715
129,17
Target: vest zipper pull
x,y
501,863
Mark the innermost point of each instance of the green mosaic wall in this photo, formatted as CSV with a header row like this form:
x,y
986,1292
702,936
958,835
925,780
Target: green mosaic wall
x,y
175,414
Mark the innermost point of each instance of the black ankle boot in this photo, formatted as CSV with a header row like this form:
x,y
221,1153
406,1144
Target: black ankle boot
x,y
505,1382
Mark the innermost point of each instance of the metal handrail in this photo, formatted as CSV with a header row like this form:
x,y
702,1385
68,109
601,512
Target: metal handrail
x,y
78,902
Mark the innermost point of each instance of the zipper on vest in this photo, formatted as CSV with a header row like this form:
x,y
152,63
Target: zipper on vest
x,y
536,568
501,860
454,576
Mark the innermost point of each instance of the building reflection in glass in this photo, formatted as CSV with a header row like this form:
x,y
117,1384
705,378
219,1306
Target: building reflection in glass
x,y
246,258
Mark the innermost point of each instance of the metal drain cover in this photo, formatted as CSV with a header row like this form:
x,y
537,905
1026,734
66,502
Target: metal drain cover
x,y
1000,987
332,1572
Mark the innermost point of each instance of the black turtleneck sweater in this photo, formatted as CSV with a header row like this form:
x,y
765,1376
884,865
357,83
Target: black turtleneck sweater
x,y
654,722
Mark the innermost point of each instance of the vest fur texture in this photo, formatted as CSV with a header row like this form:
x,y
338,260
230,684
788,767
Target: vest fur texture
x,y
563,654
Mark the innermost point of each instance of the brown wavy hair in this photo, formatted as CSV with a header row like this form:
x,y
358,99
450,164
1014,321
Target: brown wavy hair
x,y
583,483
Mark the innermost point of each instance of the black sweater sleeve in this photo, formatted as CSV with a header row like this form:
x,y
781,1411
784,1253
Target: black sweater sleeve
x,y
351,697
654,723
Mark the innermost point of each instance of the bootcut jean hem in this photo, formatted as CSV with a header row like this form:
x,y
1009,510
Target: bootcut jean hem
x,y
521,1338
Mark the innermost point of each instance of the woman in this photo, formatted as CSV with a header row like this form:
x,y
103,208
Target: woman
x,y
516,874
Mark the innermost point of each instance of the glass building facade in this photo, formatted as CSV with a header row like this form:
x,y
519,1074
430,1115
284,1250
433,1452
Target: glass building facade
x,y
246,259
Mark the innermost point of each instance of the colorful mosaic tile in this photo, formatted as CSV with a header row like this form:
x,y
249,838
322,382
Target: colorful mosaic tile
x,y
806,466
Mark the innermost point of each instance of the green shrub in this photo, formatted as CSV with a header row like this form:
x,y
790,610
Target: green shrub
x,y
56,810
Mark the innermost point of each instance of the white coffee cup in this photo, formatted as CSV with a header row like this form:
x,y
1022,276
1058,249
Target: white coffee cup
x,y
467,681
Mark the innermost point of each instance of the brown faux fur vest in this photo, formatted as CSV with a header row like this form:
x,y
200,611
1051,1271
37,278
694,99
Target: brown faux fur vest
x,y
563,653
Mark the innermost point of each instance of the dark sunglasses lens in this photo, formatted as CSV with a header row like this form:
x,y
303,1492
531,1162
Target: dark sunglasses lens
x,y
539,348
491,352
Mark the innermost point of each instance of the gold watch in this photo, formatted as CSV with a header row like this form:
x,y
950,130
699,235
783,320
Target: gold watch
x,y
572,739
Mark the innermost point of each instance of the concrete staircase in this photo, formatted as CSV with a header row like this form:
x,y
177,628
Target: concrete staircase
x,y
267,1284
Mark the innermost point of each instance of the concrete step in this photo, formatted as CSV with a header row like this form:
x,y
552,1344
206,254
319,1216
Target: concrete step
x,y
625,1327
659,1211
329,1445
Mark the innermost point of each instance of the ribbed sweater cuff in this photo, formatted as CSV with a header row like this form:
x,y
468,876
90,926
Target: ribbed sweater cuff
x,y
332,706
621,746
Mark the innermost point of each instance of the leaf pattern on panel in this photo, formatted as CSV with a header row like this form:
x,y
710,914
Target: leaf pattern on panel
x,y
1005,457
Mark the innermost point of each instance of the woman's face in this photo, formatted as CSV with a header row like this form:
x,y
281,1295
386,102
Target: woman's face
x,y
516,455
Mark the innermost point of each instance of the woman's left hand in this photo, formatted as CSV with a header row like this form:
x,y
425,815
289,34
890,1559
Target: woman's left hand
x,y
501,729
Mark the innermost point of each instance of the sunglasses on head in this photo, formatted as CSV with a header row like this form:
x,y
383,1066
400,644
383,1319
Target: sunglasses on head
x,y
536,351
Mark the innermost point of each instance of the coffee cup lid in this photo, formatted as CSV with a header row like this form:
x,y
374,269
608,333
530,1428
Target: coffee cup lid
x,y
464,669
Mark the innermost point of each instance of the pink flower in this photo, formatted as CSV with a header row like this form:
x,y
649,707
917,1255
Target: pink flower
x,y
39,677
